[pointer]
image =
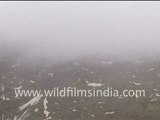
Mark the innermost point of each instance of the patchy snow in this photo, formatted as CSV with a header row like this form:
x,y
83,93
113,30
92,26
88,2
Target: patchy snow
x,y
85,69
43,70
13,66
76,64
151,69
129,72
11,72
133,76
109,113
121,97
109,63
103,62
135,83
25,115
106,63
4,98
155,89
48,118
153,100
32,102
53,113
31,81
85,108
93,115
39,74
45,102
151,95
18,88
94,84
2,87
56,103
139,61
3,77
100,102
69,68
8,99
36,110
20,82
75,101
74,110
51,74
46,113
157,95
101,107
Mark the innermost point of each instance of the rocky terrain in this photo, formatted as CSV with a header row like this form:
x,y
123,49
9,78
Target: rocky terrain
x,y
85,72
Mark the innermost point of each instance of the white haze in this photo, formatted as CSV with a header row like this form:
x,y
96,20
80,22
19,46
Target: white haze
x,y
56,29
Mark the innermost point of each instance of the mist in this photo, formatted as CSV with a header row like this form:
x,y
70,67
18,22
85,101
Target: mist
x,y
73,29
82,60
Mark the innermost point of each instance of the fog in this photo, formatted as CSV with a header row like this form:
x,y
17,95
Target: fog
x,y
68,29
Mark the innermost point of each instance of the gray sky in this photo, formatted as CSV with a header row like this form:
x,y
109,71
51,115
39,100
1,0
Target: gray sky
x,y
77,28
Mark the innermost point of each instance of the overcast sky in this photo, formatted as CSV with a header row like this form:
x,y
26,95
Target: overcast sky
x,y
65,28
